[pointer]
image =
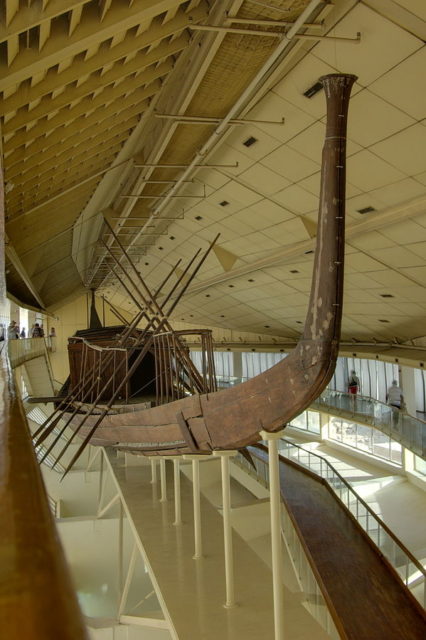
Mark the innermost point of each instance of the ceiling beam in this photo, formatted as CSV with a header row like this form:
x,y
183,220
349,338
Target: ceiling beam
x,y
32,15
34,235
67,166
63,200
88,88
17,264
107,55
63,191
78,121
68,148
86,127
66,116
87,34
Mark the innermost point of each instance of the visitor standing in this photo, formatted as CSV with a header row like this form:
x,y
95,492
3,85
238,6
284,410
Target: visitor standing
x,y
13,331
37,331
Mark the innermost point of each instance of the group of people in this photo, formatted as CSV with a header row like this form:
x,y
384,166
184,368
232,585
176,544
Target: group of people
x,y
13,331
37,331
394,396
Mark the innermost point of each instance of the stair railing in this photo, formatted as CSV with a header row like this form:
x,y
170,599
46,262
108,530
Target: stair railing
x,y
408,568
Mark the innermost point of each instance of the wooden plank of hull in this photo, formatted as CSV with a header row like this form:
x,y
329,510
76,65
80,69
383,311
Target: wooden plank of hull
x,y
232,417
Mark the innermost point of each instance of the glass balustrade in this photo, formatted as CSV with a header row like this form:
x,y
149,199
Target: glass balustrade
x,y
408,430
25,349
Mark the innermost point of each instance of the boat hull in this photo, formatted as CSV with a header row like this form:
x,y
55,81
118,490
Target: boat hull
x,y
234,417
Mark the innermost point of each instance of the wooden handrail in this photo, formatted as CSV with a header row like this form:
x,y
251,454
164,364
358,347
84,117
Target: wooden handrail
x,y
37,599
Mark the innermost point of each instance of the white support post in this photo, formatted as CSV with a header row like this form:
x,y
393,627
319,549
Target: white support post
x,y
275,501
93,454
153,470
101,483
198,552
129,577
176,476
120,556
163,480
227,528
102,512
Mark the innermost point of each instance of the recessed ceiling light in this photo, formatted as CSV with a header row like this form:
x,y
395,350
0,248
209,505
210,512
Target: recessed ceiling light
x,y
224,203
366,210
386,295
250,141
316,87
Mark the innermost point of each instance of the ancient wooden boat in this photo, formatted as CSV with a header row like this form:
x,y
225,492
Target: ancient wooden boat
x,y
232,418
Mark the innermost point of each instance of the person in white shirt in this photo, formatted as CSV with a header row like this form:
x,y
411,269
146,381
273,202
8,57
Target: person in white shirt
x,y
395,399
13,331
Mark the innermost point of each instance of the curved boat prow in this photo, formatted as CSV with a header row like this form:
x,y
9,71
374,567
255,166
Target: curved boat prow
x,y
233,418
299,379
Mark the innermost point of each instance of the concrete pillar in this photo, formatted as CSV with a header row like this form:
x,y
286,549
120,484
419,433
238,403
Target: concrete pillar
x,y
275,501
408,386
227,528
237,361
324,420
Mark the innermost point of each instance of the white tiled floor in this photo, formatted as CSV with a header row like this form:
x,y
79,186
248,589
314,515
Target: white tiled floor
x,y
194,590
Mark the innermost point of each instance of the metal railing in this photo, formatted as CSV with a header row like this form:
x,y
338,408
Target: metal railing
x,y
408,430
316,601
409,569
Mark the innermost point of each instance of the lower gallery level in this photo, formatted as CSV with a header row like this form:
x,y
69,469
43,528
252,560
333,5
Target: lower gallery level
x,y
150,567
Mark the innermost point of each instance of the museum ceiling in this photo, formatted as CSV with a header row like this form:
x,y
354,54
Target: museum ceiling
x,y
217,90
